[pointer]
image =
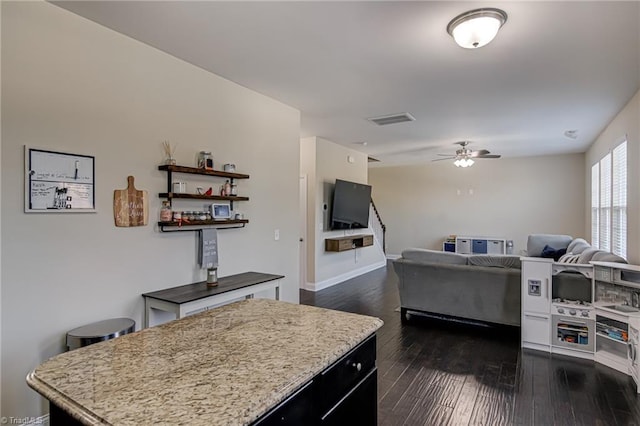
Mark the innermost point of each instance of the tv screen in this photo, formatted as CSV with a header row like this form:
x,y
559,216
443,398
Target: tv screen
x,y
350,205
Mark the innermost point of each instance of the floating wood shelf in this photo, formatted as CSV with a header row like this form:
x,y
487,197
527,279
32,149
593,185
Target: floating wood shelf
x,y
194,225
197,171
348,242
173,195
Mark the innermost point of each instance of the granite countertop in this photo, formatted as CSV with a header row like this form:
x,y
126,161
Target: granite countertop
x,y
225,366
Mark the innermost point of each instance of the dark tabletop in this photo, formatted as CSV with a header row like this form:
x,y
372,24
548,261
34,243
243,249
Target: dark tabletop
x,y
190,292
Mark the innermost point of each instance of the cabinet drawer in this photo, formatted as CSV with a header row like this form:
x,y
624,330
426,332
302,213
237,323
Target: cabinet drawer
x,y
347,372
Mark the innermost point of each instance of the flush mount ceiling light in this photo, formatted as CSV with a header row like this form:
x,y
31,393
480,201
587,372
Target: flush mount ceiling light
x,y
477,27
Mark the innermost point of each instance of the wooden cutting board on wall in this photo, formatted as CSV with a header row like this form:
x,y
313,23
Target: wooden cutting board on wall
x,y
130,206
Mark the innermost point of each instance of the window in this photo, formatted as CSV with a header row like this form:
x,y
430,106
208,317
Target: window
x,y
609,202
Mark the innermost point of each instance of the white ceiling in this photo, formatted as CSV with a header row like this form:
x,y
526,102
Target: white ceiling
x,y
554,66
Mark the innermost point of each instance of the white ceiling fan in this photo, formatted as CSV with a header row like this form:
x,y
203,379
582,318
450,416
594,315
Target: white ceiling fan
x,y
464,157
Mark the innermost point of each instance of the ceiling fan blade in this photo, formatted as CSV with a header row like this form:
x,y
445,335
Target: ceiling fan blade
x,y
441,159
479,152
488,156
446,155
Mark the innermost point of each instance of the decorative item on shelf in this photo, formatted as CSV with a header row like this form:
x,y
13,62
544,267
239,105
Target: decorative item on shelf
x,y
177,217
130,206
239,216
180,187
205,160
165,212
212,277
200,190
234,190
227,187
169,153
229,167
209,191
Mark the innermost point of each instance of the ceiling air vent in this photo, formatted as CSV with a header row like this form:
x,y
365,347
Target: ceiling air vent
x,y
392,119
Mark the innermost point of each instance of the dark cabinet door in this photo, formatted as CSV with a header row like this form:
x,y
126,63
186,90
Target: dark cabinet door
x,y
296,410
358,407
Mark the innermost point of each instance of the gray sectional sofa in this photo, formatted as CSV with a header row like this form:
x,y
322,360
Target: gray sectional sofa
x,y
486,288
483,288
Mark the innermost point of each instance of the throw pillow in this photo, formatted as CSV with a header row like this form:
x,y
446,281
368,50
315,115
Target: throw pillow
x,y
550,252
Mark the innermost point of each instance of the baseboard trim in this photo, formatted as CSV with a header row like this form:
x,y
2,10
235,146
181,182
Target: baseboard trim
x,y
321,285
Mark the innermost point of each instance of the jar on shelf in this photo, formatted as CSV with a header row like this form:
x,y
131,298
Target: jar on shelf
x,y
165,212
177,216
234,189
227,187
205,160
202,216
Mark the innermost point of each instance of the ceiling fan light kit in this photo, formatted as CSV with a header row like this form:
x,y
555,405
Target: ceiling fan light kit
x,y
464,156
476,28
463,162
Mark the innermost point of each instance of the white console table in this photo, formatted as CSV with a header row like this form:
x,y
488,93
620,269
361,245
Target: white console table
x,y
188,298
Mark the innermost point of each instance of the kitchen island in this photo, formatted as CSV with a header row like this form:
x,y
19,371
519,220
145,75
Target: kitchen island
x,y
255,361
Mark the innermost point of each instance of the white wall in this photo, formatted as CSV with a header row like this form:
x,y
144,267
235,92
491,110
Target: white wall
x,y
308,169
326,162
510,198
625,124
69,84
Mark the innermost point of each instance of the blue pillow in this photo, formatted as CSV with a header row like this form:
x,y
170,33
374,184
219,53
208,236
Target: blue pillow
x,y
552,253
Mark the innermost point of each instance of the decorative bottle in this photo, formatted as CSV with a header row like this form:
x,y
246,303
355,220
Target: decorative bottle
x,y
165,212
227,188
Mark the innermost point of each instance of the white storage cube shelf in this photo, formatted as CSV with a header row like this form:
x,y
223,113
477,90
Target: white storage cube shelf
x,y
480,245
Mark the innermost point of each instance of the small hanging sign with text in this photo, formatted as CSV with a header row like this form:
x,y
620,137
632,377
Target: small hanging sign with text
x,y
130,206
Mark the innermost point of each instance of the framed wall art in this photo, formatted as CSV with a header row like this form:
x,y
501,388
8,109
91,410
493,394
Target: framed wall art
x,y
58,182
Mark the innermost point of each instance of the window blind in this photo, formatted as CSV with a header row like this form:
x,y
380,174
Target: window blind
x,y
609,202
619,201
604,236
595,205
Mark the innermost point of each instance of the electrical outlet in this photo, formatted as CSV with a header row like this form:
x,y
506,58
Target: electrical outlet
x,y
276,234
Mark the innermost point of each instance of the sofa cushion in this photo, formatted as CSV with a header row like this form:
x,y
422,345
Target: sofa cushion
x,y
605,256
577,246
536,243
434,256
495,261
587,255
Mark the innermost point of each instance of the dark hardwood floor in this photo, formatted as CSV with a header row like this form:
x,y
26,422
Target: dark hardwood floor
x,y
432,372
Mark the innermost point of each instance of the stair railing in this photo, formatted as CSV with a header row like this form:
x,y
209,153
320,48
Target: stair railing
x,y
379,228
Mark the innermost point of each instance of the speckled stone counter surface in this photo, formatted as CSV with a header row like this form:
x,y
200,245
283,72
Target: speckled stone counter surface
x,y
226,366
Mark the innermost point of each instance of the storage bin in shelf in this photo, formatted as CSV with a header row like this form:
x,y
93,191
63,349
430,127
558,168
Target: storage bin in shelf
x,y
194,225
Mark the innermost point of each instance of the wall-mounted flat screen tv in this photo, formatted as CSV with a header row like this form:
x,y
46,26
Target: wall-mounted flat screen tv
x,y
350,205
